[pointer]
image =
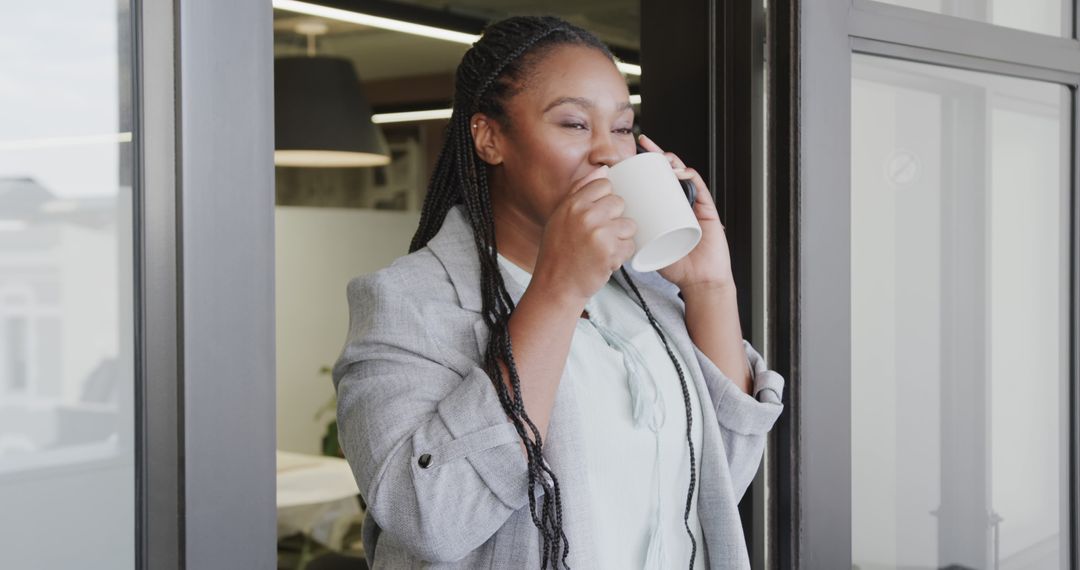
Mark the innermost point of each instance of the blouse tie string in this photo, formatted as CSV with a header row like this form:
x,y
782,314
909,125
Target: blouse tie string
x,y
647,408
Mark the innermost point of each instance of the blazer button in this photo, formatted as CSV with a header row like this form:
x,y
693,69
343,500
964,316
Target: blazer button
x,y
425,460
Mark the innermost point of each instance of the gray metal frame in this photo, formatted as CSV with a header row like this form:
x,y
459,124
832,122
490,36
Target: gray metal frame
x,y
159,388
226,226
205,285
1074,345
722,87
948,34
829,32
824,312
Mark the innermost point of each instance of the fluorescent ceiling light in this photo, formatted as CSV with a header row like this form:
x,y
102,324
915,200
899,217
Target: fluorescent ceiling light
x,y
399,26
426,115
30,144
374,21
434,114
328,158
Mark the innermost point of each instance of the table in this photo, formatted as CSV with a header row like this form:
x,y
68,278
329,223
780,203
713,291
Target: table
x,y
316,496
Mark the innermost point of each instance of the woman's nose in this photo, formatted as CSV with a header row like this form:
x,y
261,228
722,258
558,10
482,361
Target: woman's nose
x,y
604,150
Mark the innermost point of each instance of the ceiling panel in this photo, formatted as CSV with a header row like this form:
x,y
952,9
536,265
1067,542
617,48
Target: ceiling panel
x,y
380,54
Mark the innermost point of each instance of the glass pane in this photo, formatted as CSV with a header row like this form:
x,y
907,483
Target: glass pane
x,y
67,483
959,221
1040,16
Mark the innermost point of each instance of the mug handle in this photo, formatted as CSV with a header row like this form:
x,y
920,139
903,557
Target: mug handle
x,y
687,185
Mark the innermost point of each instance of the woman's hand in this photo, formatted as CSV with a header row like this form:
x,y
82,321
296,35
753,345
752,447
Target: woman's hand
x,y
708,266
585,240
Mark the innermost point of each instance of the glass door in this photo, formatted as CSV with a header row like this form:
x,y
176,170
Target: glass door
x,y
959,318
136,298
67,297
935,326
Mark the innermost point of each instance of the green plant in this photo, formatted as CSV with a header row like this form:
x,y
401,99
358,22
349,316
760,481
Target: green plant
x,y
330,444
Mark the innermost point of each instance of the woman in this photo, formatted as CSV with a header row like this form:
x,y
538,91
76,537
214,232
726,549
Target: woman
x,y
537,404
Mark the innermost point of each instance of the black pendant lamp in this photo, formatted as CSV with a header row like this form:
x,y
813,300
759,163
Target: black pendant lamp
x,y
321,117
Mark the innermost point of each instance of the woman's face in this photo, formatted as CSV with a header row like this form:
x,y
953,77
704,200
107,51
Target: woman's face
x,y
572,116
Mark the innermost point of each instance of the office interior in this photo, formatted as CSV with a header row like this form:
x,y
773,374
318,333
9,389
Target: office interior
x,y
956,279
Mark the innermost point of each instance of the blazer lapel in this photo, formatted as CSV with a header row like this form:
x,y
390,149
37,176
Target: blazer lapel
x,y
453,245
455,248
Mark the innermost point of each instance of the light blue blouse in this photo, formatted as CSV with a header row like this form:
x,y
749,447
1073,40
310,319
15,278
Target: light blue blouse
x,y
633,416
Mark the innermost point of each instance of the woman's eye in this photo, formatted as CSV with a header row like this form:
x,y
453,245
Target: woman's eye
x,y
627,131
575,125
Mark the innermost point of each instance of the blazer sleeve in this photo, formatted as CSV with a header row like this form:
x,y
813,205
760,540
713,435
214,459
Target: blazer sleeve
x,y
434,455
745,419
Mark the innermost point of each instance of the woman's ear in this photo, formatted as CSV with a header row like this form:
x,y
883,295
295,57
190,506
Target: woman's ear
x,y
487,138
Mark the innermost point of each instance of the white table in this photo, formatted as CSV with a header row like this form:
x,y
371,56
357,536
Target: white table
x,y
316,495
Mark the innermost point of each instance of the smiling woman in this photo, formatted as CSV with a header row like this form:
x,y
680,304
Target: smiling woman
x,y
510,395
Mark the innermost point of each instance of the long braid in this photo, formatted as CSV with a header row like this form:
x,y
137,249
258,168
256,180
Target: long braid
x,y
492,71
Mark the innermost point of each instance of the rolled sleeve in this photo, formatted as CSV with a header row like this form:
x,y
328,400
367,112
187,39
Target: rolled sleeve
x,y
744,419
494,451
439,463
741,412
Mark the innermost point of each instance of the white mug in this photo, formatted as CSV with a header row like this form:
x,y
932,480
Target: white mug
x,y
667,226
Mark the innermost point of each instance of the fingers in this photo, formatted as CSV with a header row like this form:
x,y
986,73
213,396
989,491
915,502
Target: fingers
x,y
611,205
625,228
648,144
675,161
624,250
614,241
593,191
703,196
611,231
599,173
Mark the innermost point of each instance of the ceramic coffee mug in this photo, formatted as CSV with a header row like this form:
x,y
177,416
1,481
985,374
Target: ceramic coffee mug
x,y
667,227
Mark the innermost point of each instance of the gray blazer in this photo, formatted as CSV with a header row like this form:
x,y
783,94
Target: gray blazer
x,y
410,385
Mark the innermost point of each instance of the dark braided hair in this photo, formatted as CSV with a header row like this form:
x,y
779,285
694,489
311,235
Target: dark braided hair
x,y
490,73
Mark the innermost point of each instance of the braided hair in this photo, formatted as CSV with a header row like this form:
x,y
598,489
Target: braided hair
x,y
491,72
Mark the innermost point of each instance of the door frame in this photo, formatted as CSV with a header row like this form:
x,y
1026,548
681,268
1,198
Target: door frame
x,y
204,270
703,99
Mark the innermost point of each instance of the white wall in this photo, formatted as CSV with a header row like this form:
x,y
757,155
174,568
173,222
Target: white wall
x,y
317,251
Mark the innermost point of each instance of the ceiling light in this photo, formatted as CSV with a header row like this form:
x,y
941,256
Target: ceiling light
x,y
435,114
407,116
399,26
321,117
374,21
